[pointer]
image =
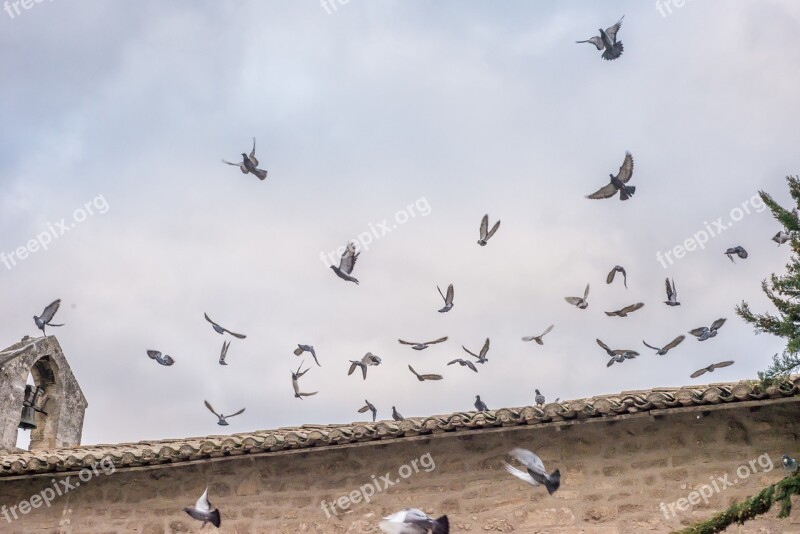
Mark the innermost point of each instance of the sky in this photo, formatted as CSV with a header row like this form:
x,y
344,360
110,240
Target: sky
x,y
406,120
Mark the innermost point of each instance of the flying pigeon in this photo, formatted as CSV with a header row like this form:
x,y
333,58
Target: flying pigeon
x,y
164,360
369,407
664,350
705,332
536,473
47,315
346,263
222,418
618,182
737,250
710,368
369,359
220,330
782,237
581,303
306,348
249,164
617,356
487,234
480,405
448,300
538,339
539,398
626,310
422,345
672,294
202,511
295,377
608,40
396,415
413,521
224,352
482,356
614,271
464,363
789,464
423,378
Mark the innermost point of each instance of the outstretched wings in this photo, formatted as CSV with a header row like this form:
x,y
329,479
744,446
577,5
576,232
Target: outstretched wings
x,y
626,170
612,31
349,258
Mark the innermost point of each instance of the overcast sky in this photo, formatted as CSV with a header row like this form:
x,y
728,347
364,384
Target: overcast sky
x,y
457,108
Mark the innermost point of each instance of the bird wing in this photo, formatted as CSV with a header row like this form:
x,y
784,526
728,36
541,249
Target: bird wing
x,y
626,170
167,360
722,364
209,320
50,311
308,394
573,300
586,292
520,474
675,342
234,334
670,289
612,31
202,503
252,155
363,371
413,371
154,354
528,459
493,230
597,41
442,294
607,191
457,360
470,352
440,340
449,298
699,372
407,342
632,307
210,408
547,330
431,377
353,366
471,365
650,346
224,352
716,325
699,331
610,277
529,338
611,362
485,349
349,258
237,413
484,226
363,409
603,345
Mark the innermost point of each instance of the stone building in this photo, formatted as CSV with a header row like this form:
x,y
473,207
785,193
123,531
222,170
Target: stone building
x,y
639,461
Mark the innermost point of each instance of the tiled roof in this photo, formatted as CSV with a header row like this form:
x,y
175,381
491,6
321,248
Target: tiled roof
x,y
655,402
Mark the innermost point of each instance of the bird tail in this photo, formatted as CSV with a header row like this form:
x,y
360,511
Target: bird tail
x,y
441,525
627,192
553,482
615,52
214,518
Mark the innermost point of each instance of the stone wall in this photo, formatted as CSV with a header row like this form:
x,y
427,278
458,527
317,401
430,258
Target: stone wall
x,y
615,475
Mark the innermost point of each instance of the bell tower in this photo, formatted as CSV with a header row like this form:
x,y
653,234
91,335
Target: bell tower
x,y
51,409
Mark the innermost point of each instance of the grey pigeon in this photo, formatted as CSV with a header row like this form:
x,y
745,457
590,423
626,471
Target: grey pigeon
x,y
534,473
306,348
789,464
672,294
482,356
486,234
422,345
346,264
448,299
782,237
464,363
607,41
202,511
480,405
224,352
539,398
614,271
163,359
414,521
618,182
665,349
249,164
367,360
538,339
423,378
396,415
710,368
295,384
580,302
369,407
222,418
47,315
704,332
626,310
617,356
221,330
738,250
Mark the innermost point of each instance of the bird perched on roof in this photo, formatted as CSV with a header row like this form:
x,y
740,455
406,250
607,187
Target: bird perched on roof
x,y
164,359
480,405
369,407
617,356
221,330
539,398
414,521
482,355
538,339
423,378
672,294
614,271
346,263
662,351
738,250
704,332
222,418
534,473
607,41
296,385
710,368
367,360
223,353
448,299
789,464
464,363
422,345
626,310
581,303
618,182
396,415
249,164
782,237
44,320
202,511
306,348
487,234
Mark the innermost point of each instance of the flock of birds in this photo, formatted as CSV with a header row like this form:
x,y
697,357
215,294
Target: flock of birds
x,y
414,521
